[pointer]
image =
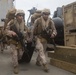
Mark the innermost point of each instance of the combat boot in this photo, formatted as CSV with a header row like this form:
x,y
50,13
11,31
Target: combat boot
x,y
45,68
38,63
16,70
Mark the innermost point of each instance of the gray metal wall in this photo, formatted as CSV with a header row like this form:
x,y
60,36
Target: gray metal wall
x,y
4,6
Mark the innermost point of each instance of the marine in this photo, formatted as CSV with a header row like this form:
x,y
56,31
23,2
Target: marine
x,y
16,47
41,24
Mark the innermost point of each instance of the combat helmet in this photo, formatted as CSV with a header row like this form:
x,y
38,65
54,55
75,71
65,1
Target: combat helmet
x,y
19,12
46,11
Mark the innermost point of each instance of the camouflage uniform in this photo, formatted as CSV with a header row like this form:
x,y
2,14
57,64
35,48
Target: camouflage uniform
x,y
9,16
16,46
41,43
36,15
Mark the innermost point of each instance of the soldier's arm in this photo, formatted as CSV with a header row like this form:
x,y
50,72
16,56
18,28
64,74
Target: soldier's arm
x,y
54,32
25,28
9,24
5,22
35,27
7,30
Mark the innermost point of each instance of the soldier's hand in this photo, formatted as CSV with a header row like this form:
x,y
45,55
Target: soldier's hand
x,y
14,34
11,33
52,36
29,39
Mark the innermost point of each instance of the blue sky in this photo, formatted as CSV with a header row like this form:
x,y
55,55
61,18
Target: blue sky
x,y
40,4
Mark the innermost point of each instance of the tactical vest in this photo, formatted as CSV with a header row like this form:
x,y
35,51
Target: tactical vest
x,y
39,29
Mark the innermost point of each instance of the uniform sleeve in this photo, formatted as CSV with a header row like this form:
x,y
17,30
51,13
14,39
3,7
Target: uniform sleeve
x,y
7,29
53,28
9,24
25,28
5,23
35,27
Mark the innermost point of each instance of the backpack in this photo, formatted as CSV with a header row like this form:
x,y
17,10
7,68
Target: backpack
x,y
11,13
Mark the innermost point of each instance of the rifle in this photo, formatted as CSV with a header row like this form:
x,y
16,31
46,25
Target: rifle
x,y
47,35
19,38
3,20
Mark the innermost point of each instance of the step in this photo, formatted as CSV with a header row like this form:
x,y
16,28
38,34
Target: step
x,y
71,59
63,65
64,50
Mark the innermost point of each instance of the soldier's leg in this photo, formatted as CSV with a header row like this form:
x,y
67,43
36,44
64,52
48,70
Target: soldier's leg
x,y
20,53
14,58
5,46
44,43
41,54
38,63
